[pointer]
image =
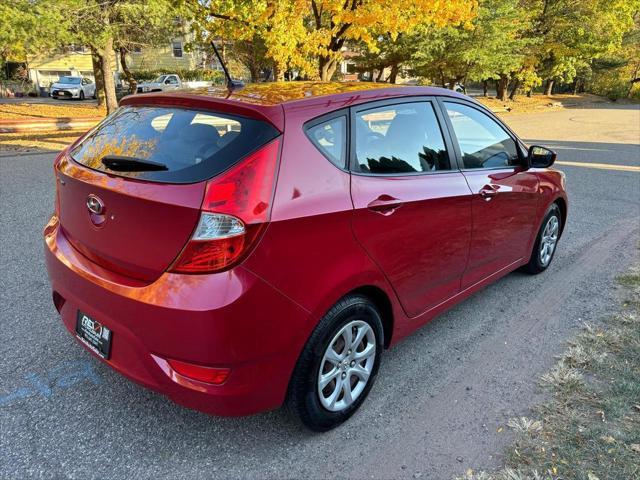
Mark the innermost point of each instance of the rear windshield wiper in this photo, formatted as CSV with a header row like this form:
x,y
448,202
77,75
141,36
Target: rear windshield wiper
x,y
122,163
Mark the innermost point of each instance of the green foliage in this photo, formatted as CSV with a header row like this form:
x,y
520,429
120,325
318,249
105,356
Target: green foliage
x,y
574,34
494,45
214,76
521,43
30,26
618,74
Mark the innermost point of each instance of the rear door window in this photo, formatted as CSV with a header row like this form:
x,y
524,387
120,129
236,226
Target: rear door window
x,y
193,145
400,139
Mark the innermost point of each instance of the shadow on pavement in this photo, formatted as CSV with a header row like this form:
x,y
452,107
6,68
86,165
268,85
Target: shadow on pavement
x,y
17,144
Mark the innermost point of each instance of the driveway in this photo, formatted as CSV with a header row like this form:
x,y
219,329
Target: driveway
x,y
442,398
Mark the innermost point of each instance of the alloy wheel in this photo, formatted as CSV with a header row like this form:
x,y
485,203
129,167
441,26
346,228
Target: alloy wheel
x,y
549,240
346,366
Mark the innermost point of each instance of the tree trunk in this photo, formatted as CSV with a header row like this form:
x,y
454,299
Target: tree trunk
x,y
106,59
393,76
514,89
485,88
253,72
380,73
634,80
451,85
133,84
501,87
548,88
278,73
97,73
328,66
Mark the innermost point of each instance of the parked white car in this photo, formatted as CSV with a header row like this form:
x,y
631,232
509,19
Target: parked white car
x,y
73,87
161,84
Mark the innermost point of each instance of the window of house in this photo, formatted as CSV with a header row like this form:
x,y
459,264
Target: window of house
x,y
176,46
75,48
402,138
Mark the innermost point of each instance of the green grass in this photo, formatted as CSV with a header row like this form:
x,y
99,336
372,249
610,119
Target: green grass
x,y
590,427
630,279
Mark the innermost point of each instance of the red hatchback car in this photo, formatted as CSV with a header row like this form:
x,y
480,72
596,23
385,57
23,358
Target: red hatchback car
x,y
236,251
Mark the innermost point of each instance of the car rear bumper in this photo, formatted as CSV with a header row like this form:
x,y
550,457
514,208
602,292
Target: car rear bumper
x,y
229,320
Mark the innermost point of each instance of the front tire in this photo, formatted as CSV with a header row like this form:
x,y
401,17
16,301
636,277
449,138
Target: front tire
x,y
546,242
81,95
338,365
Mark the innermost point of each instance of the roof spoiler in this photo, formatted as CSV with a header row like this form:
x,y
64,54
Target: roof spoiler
x,y
232,84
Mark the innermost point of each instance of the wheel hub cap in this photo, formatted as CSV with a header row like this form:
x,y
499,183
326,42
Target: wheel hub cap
x,y
549,240
346,366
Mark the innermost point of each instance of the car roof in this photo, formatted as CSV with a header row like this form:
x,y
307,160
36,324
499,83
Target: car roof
x,y
276,93
269,100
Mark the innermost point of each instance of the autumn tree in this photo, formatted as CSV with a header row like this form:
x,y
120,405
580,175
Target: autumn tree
x,y
574,34
140,24
310,34
492,46
252,54
390,54
28,27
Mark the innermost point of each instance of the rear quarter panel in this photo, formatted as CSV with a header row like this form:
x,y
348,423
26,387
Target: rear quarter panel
x,y
309,252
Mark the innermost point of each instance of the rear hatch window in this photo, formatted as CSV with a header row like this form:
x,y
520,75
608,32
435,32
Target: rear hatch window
x,y
177,145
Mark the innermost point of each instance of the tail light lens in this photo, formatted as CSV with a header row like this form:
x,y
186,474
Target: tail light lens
x,y
235,210
57,180
216,376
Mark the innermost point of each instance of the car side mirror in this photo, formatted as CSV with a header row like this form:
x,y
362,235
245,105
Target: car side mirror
x,y
541,157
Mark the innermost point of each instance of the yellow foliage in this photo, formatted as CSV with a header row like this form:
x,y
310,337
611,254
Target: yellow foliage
x,y
299,33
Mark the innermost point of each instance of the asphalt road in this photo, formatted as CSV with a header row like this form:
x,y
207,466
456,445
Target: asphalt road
x,y
442,396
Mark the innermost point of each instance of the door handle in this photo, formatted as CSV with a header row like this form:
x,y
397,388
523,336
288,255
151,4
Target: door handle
x,y
384,204
489,191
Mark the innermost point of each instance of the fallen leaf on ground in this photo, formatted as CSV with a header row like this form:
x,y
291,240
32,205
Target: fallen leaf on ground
x,y
608,439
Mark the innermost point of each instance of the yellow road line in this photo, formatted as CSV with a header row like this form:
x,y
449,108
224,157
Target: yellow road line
x,y
601,166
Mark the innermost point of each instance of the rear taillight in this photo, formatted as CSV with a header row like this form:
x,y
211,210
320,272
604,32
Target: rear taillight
x,y
235,210
57,180
216,376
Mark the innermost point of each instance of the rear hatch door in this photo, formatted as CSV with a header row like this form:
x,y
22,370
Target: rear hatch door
x,y
130,192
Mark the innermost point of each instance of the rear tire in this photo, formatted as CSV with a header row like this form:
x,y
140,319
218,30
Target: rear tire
x,y
546,243
343,354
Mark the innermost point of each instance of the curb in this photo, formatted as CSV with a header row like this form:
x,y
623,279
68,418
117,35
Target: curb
x,y
47,124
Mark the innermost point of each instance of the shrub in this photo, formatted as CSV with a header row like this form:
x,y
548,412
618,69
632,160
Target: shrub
x,y
214,76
